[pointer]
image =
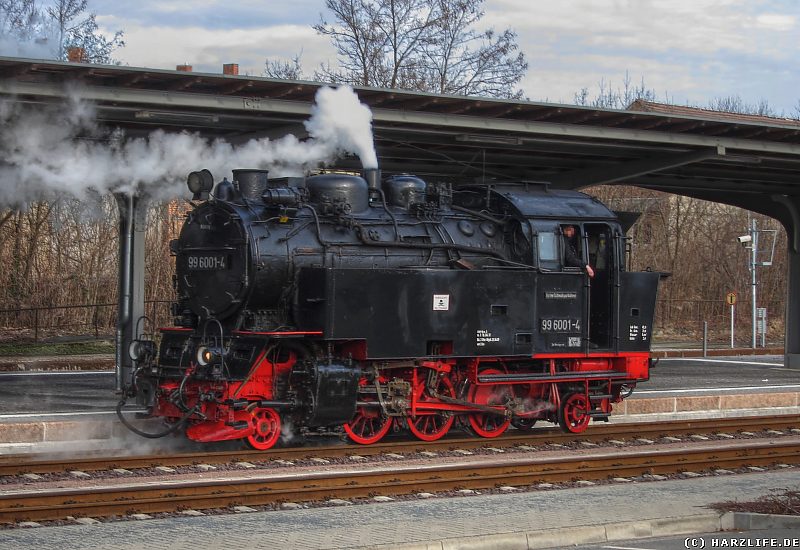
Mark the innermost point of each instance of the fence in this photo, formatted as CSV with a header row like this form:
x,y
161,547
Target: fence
x,y
687,316
683,317
97,320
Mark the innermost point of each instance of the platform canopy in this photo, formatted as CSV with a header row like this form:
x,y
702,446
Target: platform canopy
x,y
747,161
676,149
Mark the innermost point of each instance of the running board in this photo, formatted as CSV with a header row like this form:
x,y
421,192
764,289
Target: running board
x,y
600,397
547,377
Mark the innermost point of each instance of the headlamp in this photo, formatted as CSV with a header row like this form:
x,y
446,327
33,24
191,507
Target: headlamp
x,y
139,350
200,184
209,355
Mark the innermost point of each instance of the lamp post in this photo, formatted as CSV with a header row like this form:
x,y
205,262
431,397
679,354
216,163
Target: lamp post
x,y
751,241
753,283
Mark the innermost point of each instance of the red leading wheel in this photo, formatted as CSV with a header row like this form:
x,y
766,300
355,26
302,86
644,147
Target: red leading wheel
x,y
369,425
432,425
266,429
487,424
573,415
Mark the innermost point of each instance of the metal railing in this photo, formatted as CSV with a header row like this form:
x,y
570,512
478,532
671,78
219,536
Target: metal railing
x,y
100,320
681,315
97,320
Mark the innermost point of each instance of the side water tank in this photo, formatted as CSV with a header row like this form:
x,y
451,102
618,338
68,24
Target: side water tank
x,y
403,190
327,190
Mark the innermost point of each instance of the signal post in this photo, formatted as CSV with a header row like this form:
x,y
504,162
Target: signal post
x,y
730,299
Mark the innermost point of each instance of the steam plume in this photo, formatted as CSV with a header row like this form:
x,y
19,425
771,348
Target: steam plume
x,y
61,151
337,119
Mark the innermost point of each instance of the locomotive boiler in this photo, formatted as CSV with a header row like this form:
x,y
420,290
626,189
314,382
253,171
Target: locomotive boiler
x,y
355,304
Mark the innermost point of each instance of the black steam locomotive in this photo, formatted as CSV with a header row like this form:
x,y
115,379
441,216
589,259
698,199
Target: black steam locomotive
x,y
340,300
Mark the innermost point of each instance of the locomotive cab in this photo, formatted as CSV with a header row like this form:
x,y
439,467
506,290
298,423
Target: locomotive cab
x,y
576,309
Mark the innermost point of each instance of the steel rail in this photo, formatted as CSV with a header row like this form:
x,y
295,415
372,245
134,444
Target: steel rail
x,y
50,463
383,479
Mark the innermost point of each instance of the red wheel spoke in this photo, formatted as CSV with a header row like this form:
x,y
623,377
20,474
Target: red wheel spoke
x,y
487,424
430,426
369,424
266,425
574,413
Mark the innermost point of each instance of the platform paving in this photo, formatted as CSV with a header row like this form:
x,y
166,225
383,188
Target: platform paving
x,y
542,519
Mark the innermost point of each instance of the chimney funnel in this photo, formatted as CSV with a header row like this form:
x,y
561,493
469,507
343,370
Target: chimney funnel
x,y
230,69
184,68
373,177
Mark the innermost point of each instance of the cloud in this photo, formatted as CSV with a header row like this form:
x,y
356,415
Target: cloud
x,y
146,47
693,49
776,22
210,14
696,26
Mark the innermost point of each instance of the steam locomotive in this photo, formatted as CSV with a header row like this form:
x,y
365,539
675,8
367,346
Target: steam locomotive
x,y
352,303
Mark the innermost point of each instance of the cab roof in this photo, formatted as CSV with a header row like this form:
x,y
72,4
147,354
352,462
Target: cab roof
x,y
539,201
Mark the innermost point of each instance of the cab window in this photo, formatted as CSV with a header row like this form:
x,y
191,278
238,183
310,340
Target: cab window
x,y
547,246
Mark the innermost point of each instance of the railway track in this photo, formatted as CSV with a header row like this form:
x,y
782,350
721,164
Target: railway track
x,y
46,464
268,488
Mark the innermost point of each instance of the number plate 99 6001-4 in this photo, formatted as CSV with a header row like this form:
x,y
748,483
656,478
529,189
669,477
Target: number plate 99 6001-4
x,y
207,262
560,325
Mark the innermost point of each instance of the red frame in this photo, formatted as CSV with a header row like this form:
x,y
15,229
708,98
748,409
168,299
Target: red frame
x,y
216,426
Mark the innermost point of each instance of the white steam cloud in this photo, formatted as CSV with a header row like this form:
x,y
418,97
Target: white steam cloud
x,y
336,118
61,151
32,49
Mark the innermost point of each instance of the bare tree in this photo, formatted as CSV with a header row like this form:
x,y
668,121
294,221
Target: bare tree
x,y
18,18
284,70
463,61
735,104
75,27
608,97
60,25
376,40
424,45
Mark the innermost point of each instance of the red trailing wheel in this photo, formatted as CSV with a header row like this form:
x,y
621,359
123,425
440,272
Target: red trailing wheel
x,y
573,415
266,429
430,425
486,424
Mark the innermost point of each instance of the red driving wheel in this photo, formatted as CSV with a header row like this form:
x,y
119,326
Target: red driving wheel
x,y
368,426
487,424
431,425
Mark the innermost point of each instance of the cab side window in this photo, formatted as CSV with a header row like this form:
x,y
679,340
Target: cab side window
x,y
572,247
547,246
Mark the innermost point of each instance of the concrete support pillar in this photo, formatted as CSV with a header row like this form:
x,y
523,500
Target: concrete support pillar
x,y
130,307
792,338
789,216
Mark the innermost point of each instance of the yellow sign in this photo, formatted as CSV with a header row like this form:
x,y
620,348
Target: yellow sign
x,y
730,298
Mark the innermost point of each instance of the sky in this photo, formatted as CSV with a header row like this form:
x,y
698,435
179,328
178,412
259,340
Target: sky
x,y
687,51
